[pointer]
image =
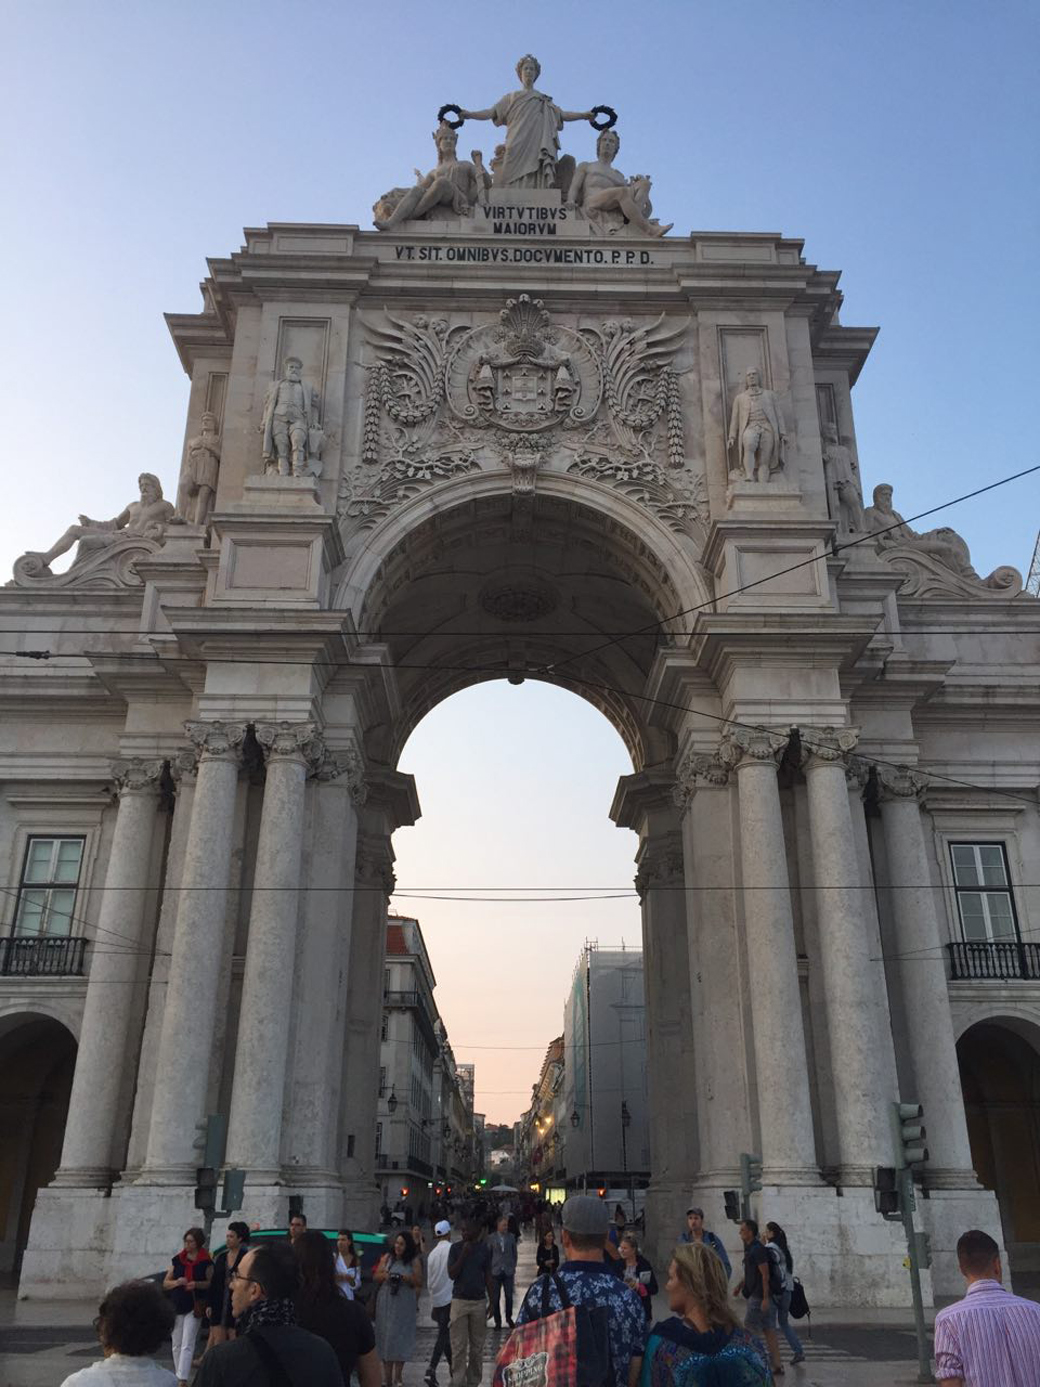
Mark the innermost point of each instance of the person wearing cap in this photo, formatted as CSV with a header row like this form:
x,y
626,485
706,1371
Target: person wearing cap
x,y
439,1283
588,1281
697,1233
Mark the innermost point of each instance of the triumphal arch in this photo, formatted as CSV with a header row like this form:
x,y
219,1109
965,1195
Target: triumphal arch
x,y
521,428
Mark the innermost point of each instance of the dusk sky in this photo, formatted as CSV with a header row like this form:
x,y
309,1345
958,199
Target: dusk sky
x,y
899,140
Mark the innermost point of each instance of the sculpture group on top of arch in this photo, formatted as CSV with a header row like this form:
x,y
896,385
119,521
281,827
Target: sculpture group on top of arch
x,y
529,159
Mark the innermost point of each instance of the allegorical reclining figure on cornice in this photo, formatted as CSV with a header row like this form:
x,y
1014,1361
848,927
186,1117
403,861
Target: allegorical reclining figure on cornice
x,y
529,159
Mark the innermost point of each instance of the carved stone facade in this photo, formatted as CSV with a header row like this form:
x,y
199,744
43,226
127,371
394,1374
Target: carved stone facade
x,y
510,437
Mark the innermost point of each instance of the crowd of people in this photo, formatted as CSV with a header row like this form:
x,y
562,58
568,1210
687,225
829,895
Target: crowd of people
x,y
290,1313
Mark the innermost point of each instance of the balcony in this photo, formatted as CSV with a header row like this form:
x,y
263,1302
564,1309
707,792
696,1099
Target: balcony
x,y
1004,961
42,956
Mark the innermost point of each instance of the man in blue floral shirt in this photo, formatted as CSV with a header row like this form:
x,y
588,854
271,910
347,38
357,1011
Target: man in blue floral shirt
x,y
588,1281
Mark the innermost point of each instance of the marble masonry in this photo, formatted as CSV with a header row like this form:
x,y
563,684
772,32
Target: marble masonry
x,y
518,429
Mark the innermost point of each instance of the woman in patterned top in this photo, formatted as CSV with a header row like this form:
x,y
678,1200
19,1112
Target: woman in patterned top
x,y
701,1345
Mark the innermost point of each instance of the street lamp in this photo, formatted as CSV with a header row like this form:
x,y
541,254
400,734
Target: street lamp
x,y
391,1102
626,1122
575,1119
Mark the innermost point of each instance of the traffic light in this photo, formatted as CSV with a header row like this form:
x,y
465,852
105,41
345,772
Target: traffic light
x,y
732,1201
908,1132
750,1174
209,1141
234,1191
886,1191
206,1188
483,1181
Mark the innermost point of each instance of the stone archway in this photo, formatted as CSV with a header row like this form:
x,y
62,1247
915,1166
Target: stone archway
x,y
1000,1077
37,1059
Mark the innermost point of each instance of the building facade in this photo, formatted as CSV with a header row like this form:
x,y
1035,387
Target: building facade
x,y
424,1131
502,436
605,1114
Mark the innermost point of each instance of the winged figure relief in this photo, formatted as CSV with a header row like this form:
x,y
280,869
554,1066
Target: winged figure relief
x,y
406,381
639,384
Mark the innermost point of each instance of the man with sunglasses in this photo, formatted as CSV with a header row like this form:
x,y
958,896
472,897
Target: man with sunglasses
x,y
271,1350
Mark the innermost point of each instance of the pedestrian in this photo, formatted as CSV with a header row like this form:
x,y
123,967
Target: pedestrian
x,y
991,1338
419,1240
776,1246
322,1309
270,1349
588,1282
218,1311
133,1324
399,1278
638,1273
469,1267
697,1233
548,1254
503,1270
760,1287
439,1284
701,1342
188,1281
348,1265
297,1225
617,1226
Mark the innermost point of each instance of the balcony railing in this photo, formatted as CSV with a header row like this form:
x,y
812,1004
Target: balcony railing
x,y
994,962
40,956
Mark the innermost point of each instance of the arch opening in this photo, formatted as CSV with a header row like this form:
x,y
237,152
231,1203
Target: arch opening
x,y
37,1060
1000,1079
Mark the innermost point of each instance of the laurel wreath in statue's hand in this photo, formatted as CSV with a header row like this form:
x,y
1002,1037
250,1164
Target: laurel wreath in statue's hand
x,y
609,118
452,124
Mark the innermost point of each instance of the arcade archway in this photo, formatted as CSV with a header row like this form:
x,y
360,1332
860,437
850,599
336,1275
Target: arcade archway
x,y
1000,1077
37,1059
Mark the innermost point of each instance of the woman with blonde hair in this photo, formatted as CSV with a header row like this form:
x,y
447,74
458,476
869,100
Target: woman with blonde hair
x,y
702,1344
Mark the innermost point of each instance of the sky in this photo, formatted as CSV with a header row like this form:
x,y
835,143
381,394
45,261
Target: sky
x,y
900,140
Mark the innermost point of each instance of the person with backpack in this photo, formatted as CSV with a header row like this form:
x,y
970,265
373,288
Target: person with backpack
x,y
762,1287
776,1246
610,1321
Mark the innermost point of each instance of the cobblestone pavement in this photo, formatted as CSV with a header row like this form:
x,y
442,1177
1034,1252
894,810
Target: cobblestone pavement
x,y
41,1342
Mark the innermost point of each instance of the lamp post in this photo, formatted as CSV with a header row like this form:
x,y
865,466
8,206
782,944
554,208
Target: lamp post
x,y
391,1102
626,1122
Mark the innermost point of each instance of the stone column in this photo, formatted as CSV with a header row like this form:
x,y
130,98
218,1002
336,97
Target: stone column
x,y
189,1016
258,1093
863,1085
374,883
920,972
320,992
781,1070
115,966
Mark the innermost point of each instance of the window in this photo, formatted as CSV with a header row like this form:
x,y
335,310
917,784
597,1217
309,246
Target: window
x,y
984,901
379,1139
384,1027
382,1079
47,891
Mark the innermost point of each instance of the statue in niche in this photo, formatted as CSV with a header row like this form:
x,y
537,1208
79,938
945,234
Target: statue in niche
x,y
533,122
608,198
293,437
455,184
199,481
757,427
943,547
145,519
842,482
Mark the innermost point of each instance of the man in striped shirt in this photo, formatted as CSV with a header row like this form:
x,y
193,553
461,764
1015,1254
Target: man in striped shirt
x,y
991,1338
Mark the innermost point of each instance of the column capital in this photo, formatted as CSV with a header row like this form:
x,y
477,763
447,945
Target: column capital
x,y
743,746
184,766
827,746
661,863
344,763
135,775
696,770
899,783
216,741
373,865
293,741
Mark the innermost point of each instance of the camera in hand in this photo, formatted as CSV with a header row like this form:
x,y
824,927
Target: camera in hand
x,y
395,1282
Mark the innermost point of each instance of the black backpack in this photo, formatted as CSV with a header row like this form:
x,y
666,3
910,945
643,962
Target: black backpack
x,y
592,1322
